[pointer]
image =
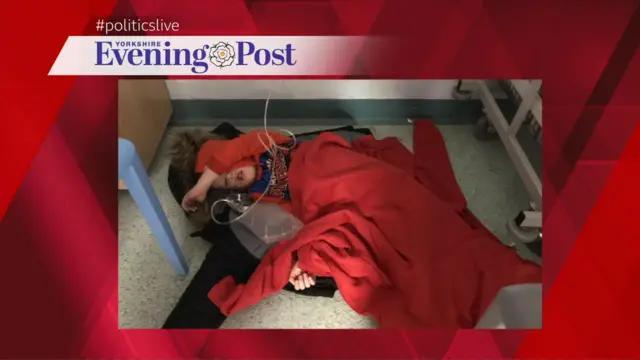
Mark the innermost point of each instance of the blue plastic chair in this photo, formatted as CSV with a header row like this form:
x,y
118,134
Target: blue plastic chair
x,y
134,175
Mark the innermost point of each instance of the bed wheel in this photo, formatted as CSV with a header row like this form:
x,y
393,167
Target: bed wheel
x,y
530,238
459,94
484,131
524,235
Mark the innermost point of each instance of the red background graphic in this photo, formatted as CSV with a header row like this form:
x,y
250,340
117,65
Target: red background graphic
x,y
58,201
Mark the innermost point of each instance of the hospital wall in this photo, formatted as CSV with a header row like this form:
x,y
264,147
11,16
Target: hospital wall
x,y
318,102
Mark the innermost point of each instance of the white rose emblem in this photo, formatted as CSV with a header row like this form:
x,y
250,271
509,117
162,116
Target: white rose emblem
x,y
222,54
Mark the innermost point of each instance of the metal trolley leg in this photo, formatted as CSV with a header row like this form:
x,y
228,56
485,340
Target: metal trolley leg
x,y
526,228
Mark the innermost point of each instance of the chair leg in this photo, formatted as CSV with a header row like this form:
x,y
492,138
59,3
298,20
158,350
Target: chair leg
x,y
139,185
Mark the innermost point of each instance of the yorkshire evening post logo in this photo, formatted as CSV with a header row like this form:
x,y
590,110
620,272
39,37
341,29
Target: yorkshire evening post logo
x,y
171,55
199,59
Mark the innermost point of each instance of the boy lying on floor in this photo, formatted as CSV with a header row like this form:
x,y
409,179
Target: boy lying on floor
x,y
244,163
391,229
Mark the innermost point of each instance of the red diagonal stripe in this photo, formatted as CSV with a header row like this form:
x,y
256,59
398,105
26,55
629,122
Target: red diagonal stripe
x,y
32,99
592,309
601,95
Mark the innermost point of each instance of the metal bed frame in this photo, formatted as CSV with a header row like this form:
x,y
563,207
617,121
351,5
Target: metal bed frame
x,y
526,228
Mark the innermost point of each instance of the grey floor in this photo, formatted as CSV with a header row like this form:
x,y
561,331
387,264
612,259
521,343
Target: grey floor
x,y
148,288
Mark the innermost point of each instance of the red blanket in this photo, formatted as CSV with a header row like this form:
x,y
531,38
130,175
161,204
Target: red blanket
x,y
392,229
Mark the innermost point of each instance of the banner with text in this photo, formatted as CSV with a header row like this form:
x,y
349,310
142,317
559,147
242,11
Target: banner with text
x,y
208,55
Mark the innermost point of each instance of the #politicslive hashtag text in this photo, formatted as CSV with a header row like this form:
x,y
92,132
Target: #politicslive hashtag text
x,y
136,25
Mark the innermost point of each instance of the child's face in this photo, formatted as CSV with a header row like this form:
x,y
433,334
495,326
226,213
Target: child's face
x,y
240,178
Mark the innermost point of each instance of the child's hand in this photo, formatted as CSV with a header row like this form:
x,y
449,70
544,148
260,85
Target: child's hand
x,y
193,198
300,279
